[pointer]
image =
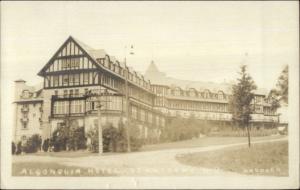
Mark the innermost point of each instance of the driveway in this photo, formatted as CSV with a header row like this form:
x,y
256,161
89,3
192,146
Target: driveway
x,y
151,163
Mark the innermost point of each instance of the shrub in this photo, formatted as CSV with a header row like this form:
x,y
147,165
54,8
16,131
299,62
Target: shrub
x,y
59,139
76,139
135,141
68,137
110,137
46,145
13,148
19,148
115,139
93,135
179,128
33,144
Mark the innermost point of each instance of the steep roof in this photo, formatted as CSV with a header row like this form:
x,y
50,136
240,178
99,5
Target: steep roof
x,y
152,68
95,53
159,78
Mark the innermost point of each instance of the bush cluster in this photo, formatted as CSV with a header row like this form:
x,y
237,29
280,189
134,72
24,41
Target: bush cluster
x,y
31,145
179,128
115,139
68,137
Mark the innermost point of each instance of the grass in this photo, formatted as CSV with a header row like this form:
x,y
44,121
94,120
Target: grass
x,y
203,142
269,159
53,169
200,142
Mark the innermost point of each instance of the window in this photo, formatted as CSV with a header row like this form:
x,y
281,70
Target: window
x,y
75,63
85,78
23,138
76,92
70,63
74,79
71,93
65,80
163,122
55,80
157,120
143,115
150,118
134,112
76,106
60,107
55,108
65,93
56,92
113,103
258,99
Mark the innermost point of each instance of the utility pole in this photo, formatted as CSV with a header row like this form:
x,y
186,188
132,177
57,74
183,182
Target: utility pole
x,y
127,99
127,109
100,141
98,100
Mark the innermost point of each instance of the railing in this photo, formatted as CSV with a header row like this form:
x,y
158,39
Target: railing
x,y
197,98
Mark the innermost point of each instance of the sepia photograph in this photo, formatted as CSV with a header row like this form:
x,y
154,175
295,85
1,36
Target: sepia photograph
x,y
151,95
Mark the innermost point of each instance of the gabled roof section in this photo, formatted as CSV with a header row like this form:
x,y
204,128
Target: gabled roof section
x,y
91,53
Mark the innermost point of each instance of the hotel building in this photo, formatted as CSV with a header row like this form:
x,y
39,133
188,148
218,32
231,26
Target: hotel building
x,y
76,70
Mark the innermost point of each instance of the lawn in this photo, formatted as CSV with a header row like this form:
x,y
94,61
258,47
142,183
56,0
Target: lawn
x,y
269,159
47,169
203,142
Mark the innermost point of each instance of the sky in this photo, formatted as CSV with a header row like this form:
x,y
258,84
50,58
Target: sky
x,y
200,41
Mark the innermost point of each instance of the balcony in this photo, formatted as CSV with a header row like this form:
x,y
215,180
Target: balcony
x,y
24,120
24,109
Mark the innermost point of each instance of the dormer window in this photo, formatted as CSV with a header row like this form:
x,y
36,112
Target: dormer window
x,y
117,70
106,63
193,93
177,92
220,95
206,94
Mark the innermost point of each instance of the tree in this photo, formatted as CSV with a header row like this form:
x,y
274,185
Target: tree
x,y
242,97
282,86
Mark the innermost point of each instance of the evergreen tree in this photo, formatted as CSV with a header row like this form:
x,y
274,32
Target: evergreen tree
x,y
242,97
282,86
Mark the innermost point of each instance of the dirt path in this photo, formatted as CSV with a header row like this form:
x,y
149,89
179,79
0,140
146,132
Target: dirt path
x,y
152,163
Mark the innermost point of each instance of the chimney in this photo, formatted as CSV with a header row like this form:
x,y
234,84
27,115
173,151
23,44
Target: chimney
x,y
19,86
